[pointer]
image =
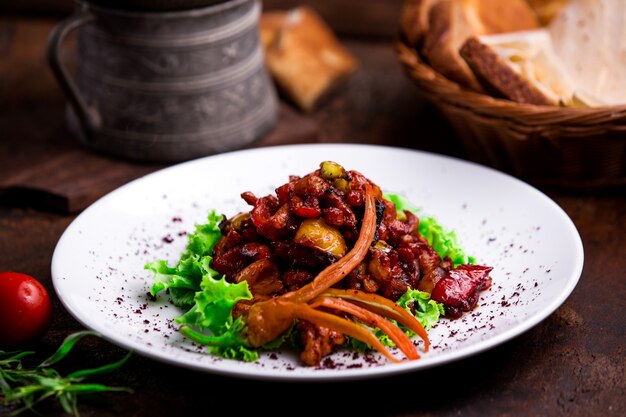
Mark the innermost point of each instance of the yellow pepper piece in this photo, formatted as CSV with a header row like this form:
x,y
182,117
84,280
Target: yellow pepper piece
x,y
316,233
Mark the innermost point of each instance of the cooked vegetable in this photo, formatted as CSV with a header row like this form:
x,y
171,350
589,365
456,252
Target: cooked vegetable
x,y
267,320
459,289
316,233
330,170
326,261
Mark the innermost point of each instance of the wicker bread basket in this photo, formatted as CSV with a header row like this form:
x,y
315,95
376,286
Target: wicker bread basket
x,y
569,148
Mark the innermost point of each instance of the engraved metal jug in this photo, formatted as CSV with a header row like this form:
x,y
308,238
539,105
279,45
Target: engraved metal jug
x,y
166,86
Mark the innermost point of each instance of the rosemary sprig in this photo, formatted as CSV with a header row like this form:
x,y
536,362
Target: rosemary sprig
x,y
25,388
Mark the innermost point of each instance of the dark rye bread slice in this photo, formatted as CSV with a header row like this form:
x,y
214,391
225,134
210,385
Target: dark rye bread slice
x,y
497,77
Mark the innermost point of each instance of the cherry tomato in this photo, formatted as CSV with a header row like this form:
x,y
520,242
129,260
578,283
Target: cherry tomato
x,y
25,310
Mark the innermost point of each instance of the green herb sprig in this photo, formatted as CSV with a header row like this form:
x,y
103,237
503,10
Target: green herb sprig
x,y
26,387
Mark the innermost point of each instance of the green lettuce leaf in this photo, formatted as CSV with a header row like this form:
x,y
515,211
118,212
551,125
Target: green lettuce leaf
x,y
419,304
183,280
210,322
205,295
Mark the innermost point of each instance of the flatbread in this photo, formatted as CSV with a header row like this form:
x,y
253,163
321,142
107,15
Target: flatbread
x,y
589,36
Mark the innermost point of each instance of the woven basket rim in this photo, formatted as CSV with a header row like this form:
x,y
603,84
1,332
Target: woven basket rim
x,y
441,89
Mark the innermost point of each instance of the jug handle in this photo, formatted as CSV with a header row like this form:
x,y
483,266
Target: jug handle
x,y
89,120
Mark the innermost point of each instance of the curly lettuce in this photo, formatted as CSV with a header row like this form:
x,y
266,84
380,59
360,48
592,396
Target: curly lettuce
x,y
205,294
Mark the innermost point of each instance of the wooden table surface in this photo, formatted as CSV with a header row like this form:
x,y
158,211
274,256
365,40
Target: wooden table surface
x,y
571,364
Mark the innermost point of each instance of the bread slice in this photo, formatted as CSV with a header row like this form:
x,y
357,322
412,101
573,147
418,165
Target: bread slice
x,y
452,22
304,56
519,66
270,25
449,27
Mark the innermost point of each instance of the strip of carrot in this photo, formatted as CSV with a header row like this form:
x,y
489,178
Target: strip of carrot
x,y
347,327
384,307
338,270
400,338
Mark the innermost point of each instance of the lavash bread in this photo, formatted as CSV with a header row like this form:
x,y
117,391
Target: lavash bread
x,y
452,22
304,56
578,60
589,37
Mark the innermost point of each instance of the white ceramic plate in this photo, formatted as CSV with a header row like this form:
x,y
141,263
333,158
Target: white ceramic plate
x,y
98,274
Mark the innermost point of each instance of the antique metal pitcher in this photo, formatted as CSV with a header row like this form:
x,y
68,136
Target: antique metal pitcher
x,y
166,86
